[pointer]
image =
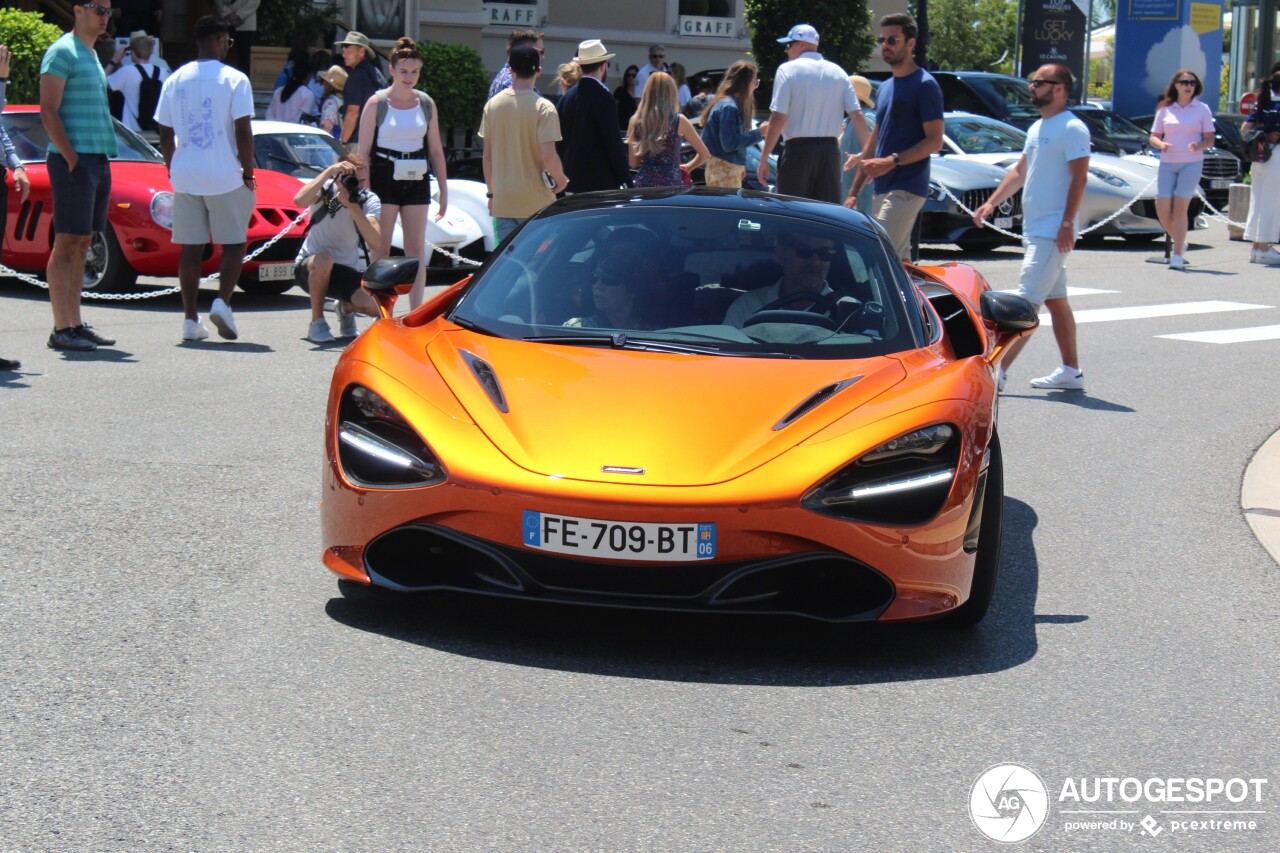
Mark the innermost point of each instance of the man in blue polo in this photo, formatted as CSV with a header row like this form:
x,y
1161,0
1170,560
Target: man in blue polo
x,y
908,130
82,139
810,98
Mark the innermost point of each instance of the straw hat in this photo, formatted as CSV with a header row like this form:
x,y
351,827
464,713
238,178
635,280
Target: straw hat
x,y
862,88
591,52
336,77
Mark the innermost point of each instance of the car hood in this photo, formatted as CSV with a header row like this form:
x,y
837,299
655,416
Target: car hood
x,y
959,173
1136,173
684,420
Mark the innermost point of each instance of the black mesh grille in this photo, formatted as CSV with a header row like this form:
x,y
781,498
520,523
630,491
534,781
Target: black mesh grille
x,y
1221,167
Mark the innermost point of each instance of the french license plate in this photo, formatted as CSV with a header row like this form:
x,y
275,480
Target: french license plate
x,y
1004,222
275,272
619,540
1220,183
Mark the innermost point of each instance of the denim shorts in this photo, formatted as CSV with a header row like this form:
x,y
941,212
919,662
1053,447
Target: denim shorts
x,y
1178,179
80,198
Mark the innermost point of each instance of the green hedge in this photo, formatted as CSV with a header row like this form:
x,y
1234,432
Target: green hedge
x,y
28,37
455,77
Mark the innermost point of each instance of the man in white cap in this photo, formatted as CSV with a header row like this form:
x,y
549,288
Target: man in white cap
x,y
810,95
592,151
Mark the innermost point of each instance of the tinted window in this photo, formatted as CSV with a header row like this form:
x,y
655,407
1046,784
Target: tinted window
x,y
1113,126
979,136
31,142
1015,94
303,155
675,276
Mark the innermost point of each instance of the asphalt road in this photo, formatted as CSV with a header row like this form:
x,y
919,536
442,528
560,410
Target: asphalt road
x,y
179,672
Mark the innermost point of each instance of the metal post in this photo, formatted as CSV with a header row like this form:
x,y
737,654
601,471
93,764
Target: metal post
x,y
1088,45
1017,44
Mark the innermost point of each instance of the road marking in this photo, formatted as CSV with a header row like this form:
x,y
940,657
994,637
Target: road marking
x,y
1086,291
1230,336
1143,312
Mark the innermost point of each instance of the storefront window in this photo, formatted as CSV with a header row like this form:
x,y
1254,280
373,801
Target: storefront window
x,y
381,20
708,18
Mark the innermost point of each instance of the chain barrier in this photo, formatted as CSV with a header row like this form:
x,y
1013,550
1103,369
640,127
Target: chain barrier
x,y
1092,227
448,254
154,294
1214,213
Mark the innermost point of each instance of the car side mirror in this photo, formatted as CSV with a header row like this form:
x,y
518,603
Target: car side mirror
x,y
1009,312
388,279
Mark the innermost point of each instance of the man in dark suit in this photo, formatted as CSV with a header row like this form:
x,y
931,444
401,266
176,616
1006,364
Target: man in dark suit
x,y
594,155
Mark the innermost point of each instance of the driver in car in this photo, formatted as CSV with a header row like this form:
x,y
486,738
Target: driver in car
x,y
805,261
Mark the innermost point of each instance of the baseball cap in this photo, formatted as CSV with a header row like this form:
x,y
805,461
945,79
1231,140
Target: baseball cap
x,y
800,32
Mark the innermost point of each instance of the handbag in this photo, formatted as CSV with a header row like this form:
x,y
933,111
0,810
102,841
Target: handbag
x,y
1256,147
408,170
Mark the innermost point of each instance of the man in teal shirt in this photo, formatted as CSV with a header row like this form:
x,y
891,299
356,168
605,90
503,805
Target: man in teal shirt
x,y
82,140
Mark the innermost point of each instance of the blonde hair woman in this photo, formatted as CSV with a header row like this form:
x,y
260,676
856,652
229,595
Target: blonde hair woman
x,y
654,134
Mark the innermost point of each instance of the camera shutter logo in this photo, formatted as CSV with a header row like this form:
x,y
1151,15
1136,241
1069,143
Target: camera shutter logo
x,y
1009,803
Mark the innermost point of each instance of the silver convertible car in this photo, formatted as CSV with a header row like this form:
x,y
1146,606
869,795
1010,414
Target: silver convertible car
x,y
1113,180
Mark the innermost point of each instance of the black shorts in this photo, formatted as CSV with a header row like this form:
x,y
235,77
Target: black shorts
x,y
343,280
80,198
391,191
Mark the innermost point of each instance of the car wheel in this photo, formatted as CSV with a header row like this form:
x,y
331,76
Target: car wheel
x,y
254,287
986,565
105,268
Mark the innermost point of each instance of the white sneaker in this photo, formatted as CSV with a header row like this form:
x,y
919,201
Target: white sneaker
x,y
347,327
193,331
1177,263
1063,378
223,320
318,332
1270,257
1001,378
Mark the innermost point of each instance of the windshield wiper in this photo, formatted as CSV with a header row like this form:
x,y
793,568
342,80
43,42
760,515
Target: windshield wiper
x,y
619,340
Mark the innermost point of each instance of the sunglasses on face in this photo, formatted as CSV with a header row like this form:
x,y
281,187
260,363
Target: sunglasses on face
x,y
1036,84
1187,82
804,253
103,11
889,40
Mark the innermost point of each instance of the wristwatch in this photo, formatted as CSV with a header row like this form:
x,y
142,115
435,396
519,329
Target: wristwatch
x,y
1067,223
897,161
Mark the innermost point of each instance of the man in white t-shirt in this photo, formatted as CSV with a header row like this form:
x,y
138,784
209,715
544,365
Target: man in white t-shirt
x,y
1054,167
207,141
127,78
657,62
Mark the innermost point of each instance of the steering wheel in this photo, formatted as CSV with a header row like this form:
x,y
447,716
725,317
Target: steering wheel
x,y
774,312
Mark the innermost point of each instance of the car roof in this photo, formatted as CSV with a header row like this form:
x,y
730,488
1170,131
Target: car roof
x,y
714,198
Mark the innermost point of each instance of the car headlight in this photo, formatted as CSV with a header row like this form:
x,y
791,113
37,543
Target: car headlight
x,y
904,481
378,448
1109,178
162,210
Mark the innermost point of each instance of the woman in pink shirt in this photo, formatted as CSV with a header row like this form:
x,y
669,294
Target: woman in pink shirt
x,y
1183,129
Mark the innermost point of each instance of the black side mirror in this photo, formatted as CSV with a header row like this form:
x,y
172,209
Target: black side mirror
x,y
1009,312
384,275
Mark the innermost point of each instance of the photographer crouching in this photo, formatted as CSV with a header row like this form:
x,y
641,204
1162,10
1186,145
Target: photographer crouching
x,y
344,223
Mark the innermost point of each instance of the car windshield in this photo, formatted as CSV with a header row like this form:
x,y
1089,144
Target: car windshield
x,y
31,142
1112,126
974,135
1015,93
699,280
303,155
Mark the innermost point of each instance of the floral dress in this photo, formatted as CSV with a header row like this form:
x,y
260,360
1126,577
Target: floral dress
x,y
663,169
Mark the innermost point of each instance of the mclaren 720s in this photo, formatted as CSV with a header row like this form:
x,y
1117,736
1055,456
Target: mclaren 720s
x,y
680,399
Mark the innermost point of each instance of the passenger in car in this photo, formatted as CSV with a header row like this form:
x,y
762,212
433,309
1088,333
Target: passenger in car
x,y
628,290
805,260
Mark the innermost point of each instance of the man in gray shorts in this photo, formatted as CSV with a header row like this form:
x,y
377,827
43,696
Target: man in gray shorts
x,y
336,249
208,106
1054,167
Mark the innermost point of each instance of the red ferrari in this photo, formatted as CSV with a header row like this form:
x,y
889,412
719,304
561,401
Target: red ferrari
x,y
137,237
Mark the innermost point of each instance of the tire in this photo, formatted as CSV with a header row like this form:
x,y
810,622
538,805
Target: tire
x,y
105,267
986,565
253,287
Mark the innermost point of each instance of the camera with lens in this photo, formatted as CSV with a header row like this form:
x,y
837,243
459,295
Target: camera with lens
x,y
333,204
351,184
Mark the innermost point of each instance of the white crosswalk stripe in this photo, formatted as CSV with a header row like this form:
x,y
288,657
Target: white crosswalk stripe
x,y
1230,336
1144,312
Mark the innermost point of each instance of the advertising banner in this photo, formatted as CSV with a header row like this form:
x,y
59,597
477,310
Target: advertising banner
x,y
1054,31
1155,38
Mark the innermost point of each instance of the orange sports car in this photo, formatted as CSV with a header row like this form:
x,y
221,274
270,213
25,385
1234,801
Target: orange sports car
x,y
681,399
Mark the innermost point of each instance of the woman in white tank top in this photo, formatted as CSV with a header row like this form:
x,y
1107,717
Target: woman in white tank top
x,y
409,132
